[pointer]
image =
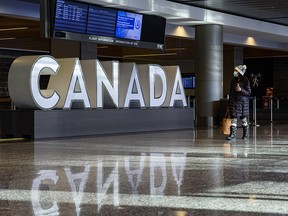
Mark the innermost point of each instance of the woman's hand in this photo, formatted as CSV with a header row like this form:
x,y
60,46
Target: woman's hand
x,y
238,88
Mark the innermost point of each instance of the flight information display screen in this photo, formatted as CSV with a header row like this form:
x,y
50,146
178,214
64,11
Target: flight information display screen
x,y
101,21
70,16
189,81
129,25
87,22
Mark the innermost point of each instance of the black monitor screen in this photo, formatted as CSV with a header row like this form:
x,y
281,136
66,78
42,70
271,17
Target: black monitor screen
x,y
101,21
153,29
70,16
128,25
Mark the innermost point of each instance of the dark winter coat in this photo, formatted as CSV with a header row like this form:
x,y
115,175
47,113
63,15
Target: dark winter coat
x,y
239,101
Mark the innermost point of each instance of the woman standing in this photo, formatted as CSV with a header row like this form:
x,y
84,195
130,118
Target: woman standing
x,y
238,103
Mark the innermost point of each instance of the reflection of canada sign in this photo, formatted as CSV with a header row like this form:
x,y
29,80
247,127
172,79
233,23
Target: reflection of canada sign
x,y
73,80
164,174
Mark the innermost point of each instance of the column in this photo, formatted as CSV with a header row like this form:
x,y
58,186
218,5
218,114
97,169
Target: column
x,y
60,48
88,51
209,73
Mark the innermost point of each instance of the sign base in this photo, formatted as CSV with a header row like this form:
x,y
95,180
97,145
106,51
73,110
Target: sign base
x,y
39,124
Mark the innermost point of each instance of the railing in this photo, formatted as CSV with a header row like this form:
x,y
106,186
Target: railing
x,y
272,104
254,111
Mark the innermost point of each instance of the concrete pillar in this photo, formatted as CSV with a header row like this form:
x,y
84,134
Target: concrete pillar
x,y
209,73
69,49
88,51
60,48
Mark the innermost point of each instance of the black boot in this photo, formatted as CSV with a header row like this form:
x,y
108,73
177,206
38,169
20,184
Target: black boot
x,y
232,135
245,132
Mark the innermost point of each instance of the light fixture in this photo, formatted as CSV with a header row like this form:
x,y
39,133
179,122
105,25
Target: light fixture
x,y
155,54
14,29
250,41
180,48
102,47
11,38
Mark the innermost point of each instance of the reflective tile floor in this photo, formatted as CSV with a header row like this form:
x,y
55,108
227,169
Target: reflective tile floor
x,y
171,173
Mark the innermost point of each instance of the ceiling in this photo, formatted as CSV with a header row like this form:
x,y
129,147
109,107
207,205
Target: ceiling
x,y
274,11
29,38
20,33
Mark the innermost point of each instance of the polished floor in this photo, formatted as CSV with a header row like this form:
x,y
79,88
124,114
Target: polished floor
x,y
171,173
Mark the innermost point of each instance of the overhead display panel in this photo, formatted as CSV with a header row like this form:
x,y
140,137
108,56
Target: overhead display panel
x,y
87,22
70,16
101,21
128,25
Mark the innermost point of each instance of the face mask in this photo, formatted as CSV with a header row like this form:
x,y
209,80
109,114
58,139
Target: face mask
x,y
235,74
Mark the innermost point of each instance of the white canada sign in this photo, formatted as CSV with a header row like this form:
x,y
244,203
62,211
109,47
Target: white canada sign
x,y
93,84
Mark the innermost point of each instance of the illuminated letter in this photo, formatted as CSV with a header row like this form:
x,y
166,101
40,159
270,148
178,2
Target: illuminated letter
x,y
23,82
134,91
178,93
36,194
77,88
44,66
157,96
102,80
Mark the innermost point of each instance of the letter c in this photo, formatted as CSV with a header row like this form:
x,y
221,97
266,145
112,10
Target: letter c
x,y
23,82
45,66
